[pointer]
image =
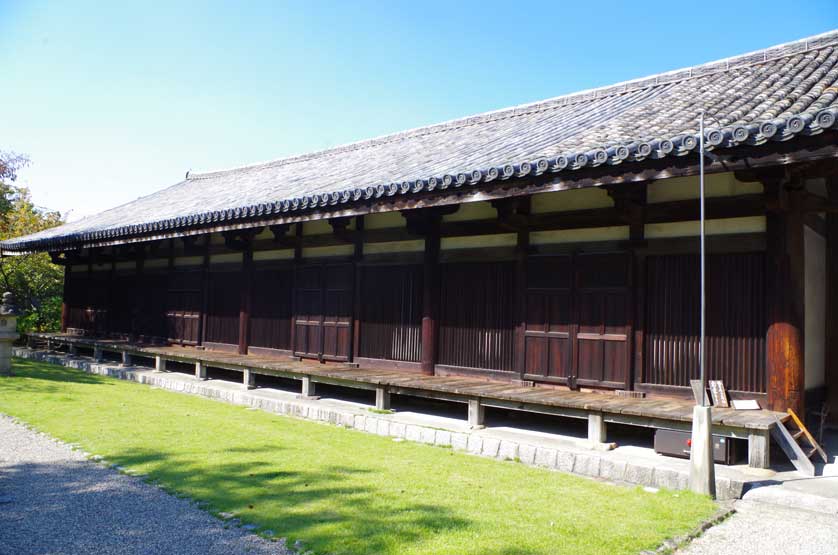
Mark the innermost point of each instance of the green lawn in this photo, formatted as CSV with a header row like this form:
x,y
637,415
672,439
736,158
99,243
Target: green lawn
x,y
337,490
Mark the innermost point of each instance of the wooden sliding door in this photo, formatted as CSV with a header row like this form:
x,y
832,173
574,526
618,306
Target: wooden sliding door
x,y
578,319
323,322
601,348
547,337
183,306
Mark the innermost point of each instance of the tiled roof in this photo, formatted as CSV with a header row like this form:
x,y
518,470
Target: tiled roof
x,y
761,97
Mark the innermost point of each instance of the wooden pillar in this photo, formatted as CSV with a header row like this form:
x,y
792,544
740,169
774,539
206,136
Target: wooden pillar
x,y
65,309
522,251
357,258
785,261
139,300
759,452
831,362
630,201
246,299
202,323
298,257
430,297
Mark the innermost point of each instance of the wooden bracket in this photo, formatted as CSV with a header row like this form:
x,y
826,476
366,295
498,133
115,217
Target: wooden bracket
x,y
240,239
339,227
424,221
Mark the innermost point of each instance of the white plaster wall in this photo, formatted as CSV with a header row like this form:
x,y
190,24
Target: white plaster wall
x,y
181,261
156,263
472,211
281,254
394,247
814,331
227,258
574,199
726,226
715,185
383,220
615,233
320,252
479,241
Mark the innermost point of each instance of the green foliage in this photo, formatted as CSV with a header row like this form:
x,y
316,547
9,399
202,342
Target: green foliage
x,y
36,282
341,491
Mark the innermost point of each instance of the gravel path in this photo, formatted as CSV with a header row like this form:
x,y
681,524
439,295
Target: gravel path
x,y
54,501
769,530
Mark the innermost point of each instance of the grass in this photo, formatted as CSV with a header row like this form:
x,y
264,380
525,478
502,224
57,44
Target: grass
x,y
341,491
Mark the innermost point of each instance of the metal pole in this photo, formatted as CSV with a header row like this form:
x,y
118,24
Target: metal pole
x,y
701,343
702,471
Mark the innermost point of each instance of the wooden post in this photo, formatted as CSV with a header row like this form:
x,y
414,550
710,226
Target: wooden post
x,y
139,300
831,361
430,297
357,257
785,261
65,309
200,370
298,256
246,299
630,203
159,364
126,358
759,453
522,250
205,283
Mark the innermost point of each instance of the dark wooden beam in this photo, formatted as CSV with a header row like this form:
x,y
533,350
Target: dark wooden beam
x,y
682,210
786,265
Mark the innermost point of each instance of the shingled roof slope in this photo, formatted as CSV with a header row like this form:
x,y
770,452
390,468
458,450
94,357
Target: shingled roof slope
x,y
770,95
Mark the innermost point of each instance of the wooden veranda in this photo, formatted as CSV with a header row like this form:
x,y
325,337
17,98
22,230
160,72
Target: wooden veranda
x,y
478,393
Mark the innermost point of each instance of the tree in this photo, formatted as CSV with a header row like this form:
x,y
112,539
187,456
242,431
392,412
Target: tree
x,y
35,281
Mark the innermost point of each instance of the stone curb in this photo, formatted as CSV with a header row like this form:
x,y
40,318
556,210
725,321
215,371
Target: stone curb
x,y
589,463
674,544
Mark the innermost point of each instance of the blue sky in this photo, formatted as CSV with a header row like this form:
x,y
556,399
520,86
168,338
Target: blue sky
x,y
114,100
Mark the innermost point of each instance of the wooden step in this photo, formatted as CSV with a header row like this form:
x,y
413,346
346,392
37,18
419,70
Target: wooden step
x,y
797,435
809,437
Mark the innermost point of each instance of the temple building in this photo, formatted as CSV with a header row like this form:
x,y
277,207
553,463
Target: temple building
x,y
551,246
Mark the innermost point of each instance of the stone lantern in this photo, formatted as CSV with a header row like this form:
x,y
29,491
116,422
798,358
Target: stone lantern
x,y
8,333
